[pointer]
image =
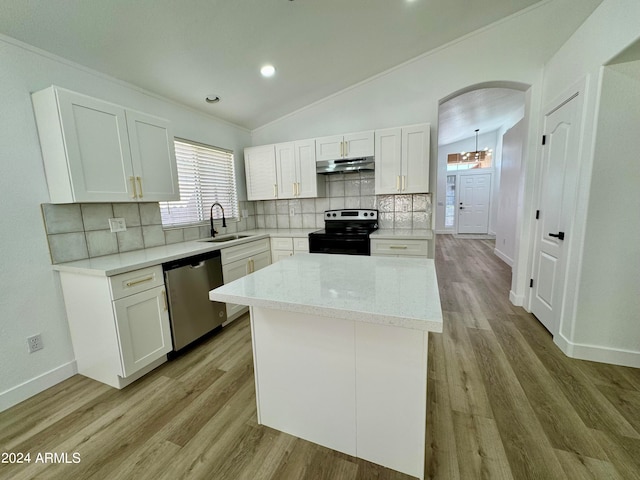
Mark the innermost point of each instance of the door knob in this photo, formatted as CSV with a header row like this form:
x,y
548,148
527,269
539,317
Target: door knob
x,y
559,235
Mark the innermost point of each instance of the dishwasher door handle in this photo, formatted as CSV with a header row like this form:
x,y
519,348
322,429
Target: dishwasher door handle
x,y
197,265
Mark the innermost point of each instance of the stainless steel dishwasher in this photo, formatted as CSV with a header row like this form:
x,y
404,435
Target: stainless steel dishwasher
x,y
188,281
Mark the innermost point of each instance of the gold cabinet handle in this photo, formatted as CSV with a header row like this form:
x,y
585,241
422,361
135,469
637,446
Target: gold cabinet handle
x,y
398,247
253,265
342,149
275,189
346,149
404,178
298,189
136,282
164,298
398,183
140,185
133,187
293,186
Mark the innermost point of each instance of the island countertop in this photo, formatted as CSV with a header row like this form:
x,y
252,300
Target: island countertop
x,y
401,292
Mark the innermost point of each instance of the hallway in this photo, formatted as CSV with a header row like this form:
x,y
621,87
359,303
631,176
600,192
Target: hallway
x,y
504,401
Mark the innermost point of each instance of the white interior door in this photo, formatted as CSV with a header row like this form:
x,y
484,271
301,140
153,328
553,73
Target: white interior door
x,y
557,205
474,200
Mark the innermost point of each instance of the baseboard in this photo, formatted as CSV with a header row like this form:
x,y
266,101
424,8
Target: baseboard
x,y
28,389
596,353
517,300
503,257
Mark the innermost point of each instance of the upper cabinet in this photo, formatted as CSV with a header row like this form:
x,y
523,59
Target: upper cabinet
x,y
402,159
352,145
95,151
260,169
284,170
296,170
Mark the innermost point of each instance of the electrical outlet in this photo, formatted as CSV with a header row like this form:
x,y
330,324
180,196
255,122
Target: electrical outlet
x,y
292,211
405,208
35,343
245,213
117,225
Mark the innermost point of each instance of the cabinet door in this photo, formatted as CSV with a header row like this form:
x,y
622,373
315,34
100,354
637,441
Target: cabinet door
x,y
144,334
261,260
153,157
415,159
305,152
97,148
329,148
286,170
233,271
260,169
358,145
277,255
388,158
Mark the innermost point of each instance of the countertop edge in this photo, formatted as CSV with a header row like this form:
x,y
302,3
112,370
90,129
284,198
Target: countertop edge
x,y
434,325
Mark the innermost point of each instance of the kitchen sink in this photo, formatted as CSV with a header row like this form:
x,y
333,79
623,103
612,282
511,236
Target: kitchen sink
x,y
225,238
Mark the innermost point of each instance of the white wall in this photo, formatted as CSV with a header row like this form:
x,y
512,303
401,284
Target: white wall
x,y
31,300
508,191
611,28
608,306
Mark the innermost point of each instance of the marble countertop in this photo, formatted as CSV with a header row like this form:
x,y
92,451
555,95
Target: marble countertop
x,y
109,265
402,234
390,291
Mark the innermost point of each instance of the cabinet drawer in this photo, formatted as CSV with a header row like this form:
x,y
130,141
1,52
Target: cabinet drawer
x,y
136,281
300,245
244,250
282,243
399,247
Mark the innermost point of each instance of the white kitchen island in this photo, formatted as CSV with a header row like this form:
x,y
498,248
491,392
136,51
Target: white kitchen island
x,y
340,351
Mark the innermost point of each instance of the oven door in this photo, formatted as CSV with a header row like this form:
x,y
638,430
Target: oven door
x,y
339,244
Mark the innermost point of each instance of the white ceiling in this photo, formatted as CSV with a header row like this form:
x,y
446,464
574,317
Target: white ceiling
x,y
187,49
487,109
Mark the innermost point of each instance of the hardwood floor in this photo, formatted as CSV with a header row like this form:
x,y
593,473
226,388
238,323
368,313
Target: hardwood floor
x,y
503,403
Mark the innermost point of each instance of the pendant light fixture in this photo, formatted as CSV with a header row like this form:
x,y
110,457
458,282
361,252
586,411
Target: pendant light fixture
x,y
477,155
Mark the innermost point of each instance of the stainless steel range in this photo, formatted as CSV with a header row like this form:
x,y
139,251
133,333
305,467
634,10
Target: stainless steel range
x,y
345,231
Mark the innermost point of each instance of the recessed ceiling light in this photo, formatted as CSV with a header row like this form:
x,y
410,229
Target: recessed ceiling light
x,y
212,99
268,71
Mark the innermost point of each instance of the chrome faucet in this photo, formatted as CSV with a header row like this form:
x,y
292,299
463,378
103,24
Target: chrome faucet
x,y
224,223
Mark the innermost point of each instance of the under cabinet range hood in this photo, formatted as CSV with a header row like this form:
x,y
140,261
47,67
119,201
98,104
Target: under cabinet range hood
x,y
345,165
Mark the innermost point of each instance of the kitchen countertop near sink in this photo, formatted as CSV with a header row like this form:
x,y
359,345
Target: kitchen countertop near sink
x,y
115,264
109,265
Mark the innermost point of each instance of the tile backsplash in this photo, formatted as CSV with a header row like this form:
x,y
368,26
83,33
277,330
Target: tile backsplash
x,y
79,231
348,190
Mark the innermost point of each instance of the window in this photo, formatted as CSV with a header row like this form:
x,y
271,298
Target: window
x,y
206,175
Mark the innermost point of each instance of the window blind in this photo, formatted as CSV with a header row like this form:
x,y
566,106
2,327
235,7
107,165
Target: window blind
x,y
205,175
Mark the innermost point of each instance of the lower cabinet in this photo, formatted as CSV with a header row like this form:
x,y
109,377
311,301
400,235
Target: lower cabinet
x,y
282,247
241,260
119,325
399,248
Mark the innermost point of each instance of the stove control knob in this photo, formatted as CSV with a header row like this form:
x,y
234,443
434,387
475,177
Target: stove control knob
x,y
334,214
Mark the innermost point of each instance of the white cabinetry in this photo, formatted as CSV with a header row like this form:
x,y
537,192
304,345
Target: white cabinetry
x,y
352,145
402,159
260,169
95,151
241,260
282,247
399,248
296,170
119,325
